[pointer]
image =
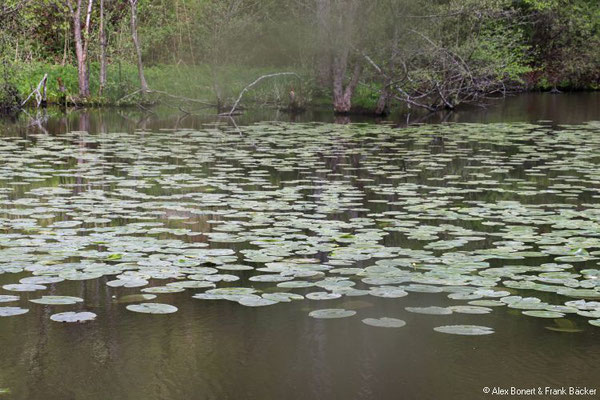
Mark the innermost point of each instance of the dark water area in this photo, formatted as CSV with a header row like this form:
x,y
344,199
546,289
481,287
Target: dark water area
x,y
566,108
197,176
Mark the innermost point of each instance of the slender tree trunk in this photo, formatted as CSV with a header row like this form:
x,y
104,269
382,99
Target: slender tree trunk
x,y
82,73
103,45
136,44
81,46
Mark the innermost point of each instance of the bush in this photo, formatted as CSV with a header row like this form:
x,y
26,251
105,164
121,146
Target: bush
x,y
9,93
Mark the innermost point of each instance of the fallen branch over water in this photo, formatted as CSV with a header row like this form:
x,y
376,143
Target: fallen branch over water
x,y
237,102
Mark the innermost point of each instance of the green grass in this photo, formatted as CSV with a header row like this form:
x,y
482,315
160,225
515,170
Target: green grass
x,y
187,81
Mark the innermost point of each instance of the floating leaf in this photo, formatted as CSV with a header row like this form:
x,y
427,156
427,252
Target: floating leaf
x,y
23,287
543,314
388,292
73,316
332,313
4,298
323,296
10,311
152,308
57,300
255,301
384,322
464,330
433,310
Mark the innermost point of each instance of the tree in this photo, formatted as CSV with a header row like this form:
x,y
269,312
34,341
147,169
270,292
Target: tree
x,y
136,45
463,52
82,40
103,46
340,26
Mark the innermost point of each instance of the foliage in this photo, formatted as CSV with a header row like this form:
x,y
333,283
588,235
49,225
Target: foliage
x,y
437,53
565,37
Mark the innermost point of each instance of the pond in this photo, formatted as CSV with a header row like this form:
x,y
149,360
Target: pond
x,y
159,257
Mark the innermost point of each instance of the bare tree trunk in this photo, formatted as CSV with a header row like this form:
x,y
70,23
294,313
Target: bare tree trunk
x,y
136,44
342,23
103,45
81,45
342,96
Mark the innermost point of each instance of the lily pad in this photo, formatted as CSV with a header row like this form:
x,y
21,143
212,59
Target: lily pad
x,y
73,316
23,287
543,314
255,301
10,311
323,296
388,292
152,308
384,322
57,300
432,310
330,313
5,298
469,330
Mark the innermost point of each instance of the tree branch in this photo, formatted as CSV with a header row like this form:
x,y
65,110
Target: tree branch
x,y
254,83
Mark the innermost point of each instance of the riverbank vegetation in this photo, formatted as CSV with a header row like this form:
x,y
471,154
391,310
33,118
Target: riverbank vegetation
x,y
350,55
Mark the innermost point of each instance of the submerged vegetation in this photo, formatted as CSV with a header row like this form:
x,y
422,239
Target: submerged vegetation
x,y
351,55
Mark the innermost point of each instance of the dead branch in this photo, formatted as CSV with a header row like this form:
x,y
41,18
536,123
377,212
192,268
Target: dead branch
x,y
39,92
251,85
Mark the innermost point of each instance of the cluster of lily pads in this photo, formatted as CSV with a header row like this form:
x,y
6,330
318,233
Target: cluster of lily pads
x,y
499,215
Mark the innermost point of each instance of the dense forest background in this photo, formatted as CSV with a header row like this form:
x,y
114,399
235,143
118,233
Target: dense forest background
x,y
352,55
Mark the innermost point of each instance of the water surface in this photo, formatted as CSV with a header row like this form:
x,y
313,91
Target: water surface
x,y
433,206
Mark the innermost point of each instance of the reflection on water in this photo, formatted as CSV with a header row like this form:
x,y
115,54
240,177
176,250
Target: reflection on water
x,y
221,350
566,108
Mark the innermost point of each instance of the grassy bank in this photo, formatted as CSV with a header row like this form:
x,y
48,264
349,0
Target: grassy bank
x,y
197,82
